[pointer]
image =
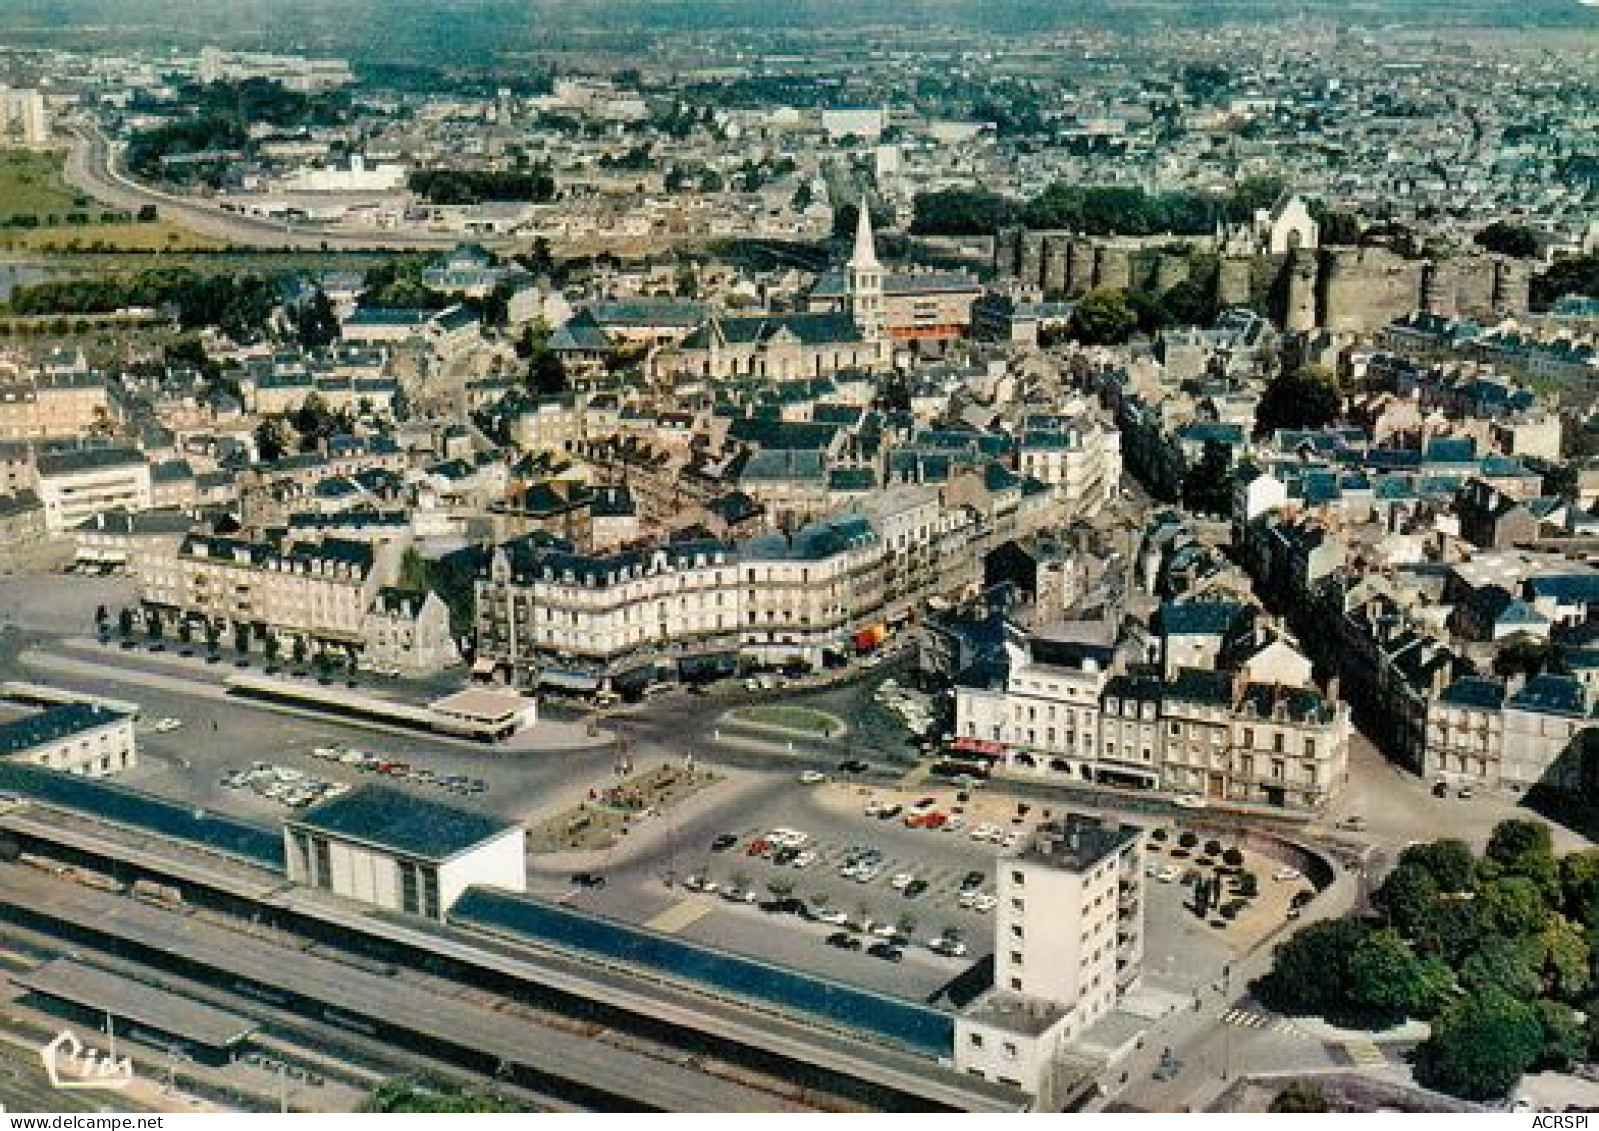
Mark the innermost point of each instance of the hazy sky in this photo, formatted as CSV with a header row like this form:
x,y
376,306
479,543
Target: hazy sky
x,y
432,30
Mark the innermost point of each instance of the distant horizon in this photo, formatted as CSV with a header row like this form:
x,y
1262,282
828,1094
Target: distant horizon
x,y
464,32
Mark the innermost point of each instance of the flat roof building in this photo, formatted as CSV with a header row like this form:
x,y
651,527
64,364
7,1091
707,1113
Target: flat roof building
x,y
403,853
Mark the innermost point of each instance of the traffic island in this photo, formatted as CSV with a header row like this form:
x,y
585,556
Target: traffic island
x,y
609,812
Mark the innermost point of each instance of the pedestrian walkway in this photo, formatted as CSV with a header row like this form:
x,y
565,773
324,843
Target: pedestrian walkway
x,y
1364,1054
678,916
1245,1019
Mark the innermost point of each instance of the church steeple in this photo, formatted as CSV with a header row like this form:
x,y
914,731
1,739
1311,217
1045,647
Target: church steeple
x,y
865,278
865,254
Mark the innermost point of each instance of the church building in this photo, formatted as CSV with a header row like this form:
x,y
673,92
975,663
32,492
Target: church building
x,y
848,335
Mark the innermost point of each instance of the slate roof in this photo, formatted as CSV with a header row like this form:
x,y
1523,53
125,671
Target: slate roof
x,y
1551,695
810,329
402,823
52,725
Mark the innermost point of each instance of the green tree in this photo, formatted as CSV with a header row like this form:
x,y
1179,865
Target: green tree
x,y
1207,486
271,648
1514,965
1384,979
432,1096
1407,898
1310,970
1452,931
315,324
271,442
1567,959
961,212
1450,862
1300,1096
1579,887
1520,847
1515,240
1190,303
125,624
298,651
1103,317
1480,1047
1514,905
1304,398
1565,1041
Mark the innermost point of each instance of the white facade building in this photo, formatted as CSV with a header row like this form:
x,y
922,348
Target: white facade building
x,y
74,738
401,852
77,485
1068,943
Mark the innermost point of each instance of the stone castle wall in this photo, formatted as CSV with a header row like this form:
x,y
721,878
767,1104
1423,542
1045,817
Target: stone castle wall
x,y
1343,289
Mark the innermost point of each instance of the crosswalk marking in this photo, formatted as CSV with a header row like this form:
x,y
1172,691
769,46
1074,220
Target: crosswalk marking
x,y
1365,1053
1245,1019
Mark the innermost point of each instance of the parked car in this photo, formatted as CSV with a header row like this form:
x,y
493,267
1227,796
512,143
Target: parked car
x,y
588,879
812,777
843,940
724,842
915,888
888,952
834,917
1352,825
948,947
1284,874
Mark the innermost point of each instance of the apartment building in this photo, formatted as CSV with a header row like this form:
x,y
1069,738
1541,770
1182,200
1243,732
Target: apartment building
x,y
74,486
73,738
547,614
1042,702
68,404
1065,707
587,620
1068,944
318,592
1079,460
1514,735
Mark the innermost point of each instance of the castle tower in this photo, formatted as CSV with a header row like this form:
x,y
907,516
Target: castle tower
x,y
865,277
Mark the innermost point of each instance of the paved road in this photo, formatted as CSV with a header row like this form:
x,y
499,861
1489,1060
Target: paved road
x,y
1399,807
92,168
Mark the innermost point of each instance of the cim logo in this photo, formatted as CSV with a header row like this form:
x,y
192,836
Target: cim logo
x,y
73,1066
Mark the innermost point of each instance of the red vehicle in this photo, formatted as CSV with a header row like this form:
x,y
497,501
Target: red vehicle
x,y
757,847
935,820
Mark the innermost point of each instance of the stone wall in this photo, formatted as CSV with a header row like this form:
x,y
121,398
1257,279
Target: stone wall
x,y
1343,289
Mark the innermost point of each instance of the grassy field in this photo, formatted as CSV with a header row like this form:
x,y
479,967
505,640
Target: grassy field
x,y
40,212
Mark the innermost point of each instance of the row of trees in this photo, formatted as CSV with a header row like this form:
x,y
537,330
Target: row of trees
x,y
1094,210
153,623
1495,951
474,186
240,305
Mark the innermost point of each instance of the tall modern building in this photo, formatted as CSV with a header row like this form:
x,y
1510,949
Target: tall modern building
x,y
23,118
1068,943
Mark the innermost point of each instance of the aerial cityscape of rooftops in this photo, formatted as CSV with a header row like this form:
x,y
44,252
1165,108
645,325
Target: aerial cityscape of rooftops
x,y
721,557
